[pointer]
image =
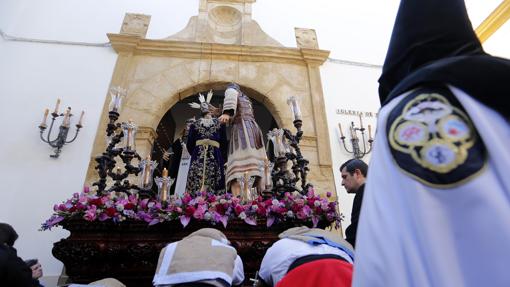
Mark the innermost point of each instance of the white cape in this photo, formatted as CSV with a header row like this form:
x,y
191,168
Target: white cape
x,y
411,234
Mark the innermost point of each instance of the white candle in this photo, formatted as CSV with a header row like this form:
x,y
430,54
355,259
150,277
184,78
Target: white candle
x,y
340,127
296,111
360,121
57,106
81,118
67,118
129,134
369,132
43,123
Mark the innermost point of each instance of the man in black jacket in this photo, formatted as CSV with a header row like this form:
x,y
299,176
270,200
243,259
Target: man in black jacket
x,y
354,173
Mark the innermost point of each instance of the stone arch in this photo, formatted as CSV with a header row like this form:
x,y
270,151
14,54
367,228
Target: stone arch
x,y
222,85
187,92
172,121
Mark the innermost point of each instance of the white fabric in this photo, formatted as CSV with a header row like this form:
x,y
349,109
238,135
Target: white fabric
x,y
161,278
230,102
182,175
410,234
280,256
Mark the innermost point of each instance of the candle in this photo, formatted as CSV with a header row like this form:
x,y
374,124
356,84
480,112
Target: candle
x,y
360,121
116,104
340,127
369,132
81,118
246,187
266,171
352,134
57,106
147,171
129,134
67,118
164,186
43,123
296,111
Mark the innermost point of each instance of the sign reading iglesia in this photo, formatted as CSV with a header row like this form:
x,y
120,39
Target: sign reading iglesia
x,y
356,113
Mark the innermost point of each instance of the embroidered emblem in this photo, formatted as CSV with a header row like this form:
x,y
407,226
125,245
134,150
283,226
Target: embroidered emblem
x,y
432,138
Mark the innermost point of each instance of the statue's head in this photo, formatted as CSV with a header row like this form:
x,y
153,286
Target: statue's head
x,y
204,103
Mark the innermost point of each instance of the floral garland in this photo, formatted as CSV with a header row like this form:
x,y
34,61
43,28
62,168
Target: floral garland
x,y
204,206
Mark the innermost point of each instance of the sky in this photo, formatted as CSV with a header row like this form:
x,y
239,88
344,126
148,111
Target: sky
x,y
351,30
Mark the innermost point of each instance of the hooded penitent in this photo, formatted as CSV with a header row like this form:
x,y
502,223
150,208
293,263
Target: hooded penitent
x,y
433,42
437,197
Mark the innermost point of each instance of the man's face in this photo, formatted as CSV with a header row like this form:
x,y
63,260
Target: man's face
x,y
350,182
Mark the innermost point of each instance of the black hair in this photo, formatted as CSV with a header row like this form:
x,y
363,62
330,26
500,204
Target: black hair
x,y
7,234
353,164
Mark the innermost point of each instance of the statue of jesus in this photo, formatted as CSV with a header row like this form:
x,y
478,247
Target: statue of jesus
x,y
246,153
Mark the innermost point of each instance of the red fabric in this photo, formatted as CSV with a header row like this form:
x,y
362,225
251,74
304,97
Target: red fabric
x,y
323,272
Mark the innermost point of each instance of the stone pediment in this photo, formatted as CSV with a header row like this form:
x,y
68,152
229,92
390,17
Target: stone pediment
x,y
225,22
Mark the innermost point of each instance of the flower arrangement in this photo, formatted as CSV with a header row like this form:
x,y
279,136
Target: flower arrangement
x,y
208,207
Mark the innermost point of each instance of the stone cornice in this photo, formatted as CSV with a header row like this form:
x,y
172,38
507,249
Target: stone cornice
x,y
180,49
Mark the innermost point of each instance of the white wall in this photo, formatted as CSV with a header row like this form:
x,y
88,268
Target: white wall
x,y
34,75
350,88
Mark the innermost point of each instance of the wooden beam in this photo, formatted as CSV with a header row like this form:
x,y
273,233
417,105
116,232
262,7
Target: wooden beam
x,y
494,21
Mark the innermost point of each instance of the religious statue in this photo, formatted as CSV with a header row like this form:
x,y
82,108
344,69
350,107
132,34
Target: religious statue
x,y
246,153
179,163
207,142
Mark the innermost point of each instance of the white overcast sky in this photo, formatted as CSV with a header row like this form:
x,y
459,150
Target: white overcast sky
x,y
352,30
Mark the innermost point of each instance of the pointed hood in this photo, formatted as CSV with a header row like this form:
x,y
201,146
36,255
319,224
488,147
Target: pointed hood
x,y
426,31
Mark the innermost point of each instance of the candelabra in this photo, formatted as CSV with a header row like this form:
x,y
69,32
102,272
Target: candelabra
x,y
356,151
61,138
107,163
286,148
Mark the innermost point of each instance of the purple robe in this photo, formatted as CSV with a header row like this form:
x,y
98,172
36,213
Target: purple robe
x,y
207,142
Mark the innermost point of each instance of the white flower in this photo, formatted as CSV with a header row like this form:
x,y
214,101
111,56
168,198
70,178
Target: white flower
x,y
120,207
242,215
317,203
275,202
223,201
207,216
290,214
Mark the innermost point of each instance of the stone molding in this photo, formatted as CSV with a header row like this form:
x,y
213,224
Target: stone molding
x,y
193,50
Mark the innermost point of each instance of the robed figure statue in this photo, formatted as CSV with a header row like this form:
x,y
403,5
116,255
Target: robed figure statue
x,y
246,152
207,142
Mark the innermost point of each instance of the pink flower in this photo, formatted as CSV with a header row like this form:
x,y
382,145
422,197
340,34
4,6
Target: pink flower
x,y
90,214
199,212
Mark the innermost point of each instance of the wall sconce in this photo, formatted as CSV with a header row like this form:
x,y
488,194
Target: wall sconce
x,y
61,138
355,139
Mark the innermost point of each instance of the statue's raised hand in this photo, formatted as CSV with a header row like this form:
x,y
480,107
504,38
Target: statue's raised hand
x,y
224,118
